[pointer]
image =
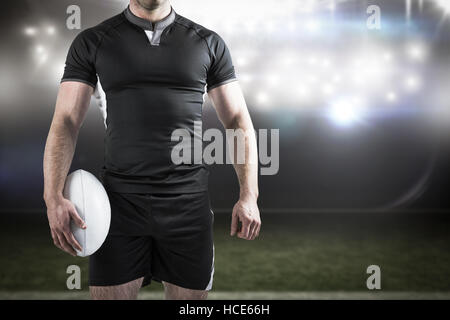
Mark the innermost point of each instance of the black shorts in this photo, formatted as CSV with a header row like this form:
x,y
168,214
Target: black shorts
x,y
164,237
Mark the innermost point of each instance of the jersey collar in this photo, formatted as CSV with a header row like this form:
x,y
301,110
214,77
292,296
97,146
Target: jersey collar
x,y
147,25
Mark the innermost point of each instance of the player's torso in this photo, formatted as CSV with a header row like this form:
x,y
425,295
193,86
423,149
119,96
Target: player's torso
x,y
126,59
151,91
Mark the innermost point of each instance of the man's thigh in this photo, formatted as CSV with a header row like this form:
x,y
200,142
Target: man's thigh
x,y
126,291
173,292
183,249
120,261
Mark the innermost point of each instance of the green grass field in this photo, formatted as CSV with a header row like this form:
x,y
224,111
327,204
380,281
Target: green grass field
x,y
297,255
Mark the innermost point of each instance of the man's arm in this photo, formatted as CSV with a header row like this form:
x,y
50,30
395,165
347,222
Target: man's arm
x,y
233,113
72,104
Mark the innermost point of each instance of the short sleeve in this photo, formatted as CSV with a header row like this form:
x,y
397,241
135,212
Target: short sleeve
x,y
221,70
80,61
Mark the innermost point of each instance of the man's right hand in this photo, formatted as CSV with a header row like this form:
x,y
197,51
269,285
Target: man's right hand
x,y
60,211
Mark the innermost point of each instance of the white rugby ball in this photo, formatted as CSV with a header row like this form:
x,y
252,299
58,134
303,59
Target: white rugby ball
x,y
91,201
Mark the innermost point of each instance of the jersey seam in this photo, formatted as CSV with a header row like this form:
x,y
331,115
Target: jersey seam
x,y
103,37
201,37
84,212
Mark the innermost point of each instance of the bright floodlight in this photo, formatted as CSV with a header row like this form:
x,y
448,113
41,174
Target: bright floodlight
x,y
412,83
241,62
270,26
272,80
312,78
287,59
387,56
58,69
416,52
246,78
42,58
40,49
308,6
292,25
326,63
250,26
337,78
332,6
444,4
30,31
51,30
262,98
391,96
312,25
312,60
328,89
302,91
346,111
357,79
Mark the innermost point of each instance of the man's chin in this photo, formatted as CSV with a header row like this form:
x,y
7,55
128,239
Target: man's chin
x,y
150,4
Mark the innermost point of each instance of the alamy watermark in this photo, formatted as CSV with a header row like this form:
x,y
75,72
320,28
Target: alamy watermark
x,y
73,281
374,280
189,147
73,21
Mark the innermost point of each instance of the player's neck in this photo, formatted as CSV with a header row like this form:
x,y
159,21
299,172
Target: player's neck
x,y
153,15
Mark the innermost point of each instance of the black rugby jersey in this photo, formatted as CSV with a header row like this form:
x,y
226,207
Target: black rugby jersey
x,y
153,77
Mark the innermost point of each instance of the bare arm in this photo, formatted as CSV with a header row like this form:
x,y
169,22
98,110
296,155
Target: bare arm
x,y
233,113
71,106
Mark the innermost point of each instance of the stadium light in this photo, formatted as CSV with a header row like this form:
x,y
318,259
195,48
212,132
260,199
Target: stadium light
x,y
391,96
312,25
59,70
332,6
40,49
328,89
387,56
444,4
302,91
273,80
270,26
346,111
30,31
416,52
357,79
262,98
326,63
312,78
292,26
250,26
412,83
312,60
51,30
42,58
287,59
309,6
246,78
241,62
337,78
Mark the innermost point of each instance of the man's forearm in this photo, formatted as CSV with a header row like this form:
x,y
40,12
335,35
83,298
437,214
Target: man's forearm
x,y
58,155
245,219
248,181
246,172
